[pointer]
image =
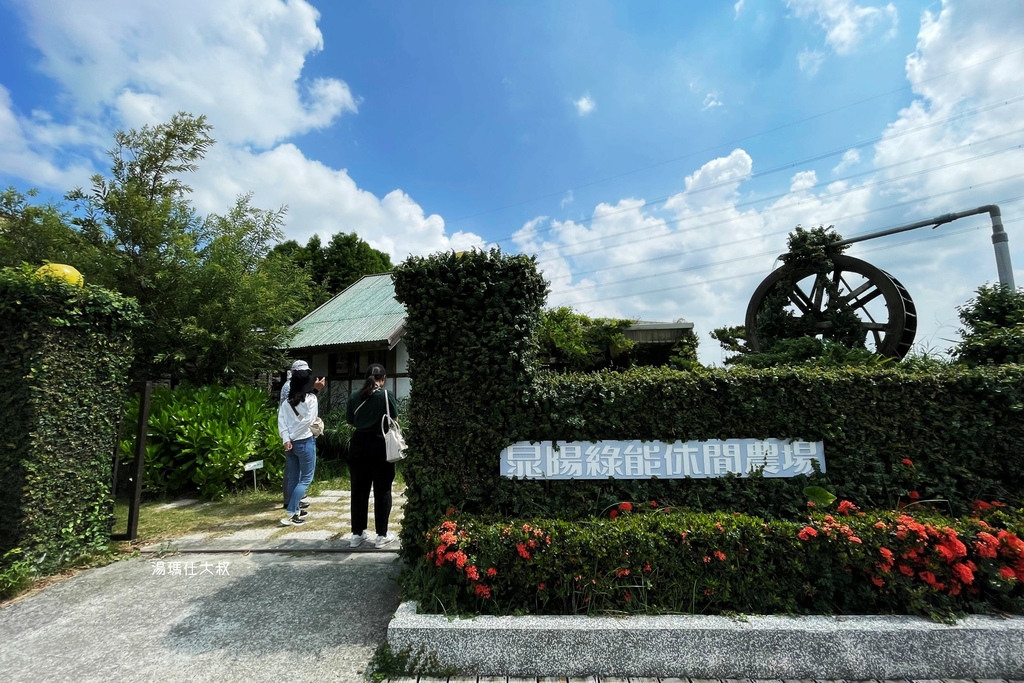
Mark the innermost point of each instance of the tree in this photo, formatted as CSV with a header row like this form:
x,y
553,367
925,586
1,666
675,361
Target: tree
x,y
577,343
216,307
345,259
35,234
993,327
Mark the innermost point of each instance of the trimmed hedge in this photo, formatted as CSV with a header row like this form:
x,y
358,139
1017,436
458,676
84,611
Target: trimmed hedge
x,y
892,436
961,430
65,352
470,321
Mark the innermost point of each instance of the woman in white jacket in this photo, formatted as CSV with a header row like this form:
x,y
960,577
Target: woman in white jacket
x,y
294,418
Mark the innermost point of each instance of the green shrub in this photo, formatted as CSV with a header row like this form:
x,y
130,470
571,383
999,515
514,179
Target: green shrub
x,y
17,572
200,439
645,558
993,330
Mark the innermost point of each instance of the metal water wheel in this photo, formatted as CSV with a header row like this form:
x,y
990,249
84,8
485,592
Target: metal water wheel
x,y
883,306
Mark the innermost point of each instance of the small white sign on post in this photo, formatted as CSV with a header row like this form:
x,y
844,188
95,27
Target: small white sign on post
x,y
253,466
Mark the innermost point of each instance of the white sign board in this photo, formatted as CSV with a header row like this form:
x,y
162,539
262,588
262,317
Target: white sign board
x,y
254,465
650,459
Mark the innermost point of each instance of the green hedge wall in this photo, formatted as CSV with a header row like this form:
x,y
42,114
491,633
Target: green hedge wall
x,y
891,436
469,329
64,358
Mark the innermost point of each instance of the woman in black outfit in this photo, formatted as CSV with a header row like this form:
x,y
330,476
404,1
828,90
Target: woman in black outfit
x,y
367,457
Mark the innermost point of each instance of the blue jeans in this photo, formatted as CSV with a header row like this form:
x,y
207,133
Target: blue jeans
x,y
299,465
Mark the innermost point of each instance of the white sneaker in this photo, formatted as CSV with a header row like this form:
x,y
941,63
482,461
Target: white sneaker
x,y
355,540
385,540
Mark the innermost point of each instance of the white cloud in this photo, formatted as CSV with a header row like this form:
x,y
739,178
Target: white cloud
x,y
810,61
585,105
845,22
738,7
711,101
240,62
851,157
567,199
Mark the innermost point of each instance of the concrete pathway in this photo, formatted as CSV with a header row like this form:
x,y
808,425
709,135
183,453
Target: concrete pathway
x,y
327,529
222,618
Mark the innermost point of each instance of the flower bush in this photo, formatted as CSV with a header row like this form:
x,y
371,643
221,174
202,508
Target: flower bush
x,y
650,558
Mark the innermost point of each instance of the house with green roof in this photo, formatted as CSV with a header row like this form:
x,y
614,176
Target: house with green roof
x,y
363,324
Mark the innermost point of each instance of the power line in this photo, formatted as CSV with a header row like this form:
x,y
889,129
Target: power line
x,y
791,165
751,256
634,233
733,142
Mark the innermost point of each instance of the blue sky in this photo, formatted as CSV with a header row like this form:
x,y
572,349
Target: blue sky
x,y
653,155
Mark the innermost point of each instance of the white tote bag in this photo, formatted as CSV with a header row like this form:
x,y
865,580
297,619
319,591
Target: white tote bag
x,y
392,431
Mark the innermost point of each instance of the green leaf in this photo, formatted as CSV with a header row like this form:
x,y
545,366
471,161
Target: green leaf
x,y
820,496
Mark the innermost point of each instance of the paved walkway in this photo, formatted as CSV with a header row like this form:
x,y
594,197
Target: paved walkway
x,y
327,529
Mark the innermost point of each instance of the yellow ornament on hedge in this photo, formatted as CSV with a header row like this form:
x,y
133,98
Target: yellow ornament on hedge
x,y
62,271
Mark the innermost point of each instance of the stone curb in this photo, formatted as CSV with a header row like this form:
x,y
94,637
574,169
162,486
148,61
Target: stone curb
x,y
765,647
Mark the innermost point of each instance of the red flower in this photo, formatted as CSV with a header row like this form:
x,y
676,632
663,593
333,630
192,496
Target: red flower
x,y
614,513
1007,573
979,506
886,554
806,533
627,596
930,579
492,572
472,574
706,559
625,507
854,539
482,590
906,570
622,572
523,552
654,503
811,504
964,572
846,507
908,462
880,525
720,556
647,567
532,543
878,581
541,586
913,495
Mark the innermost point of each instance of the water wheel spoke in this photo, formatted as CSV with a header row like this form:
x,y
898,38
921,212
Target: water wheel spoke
x,y
801,300
818,291
862,296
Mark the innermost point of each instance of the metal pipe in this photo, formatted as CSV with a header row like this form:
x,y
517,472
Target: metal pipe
x,y
1000,240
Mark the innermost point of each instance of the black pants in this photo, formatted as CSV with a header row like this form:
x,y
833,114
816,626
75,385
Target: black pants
x,y
368,467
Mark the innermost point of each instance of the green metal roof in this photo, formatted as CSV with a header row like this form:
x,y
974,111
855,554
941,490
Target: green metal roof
x,y
366,312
